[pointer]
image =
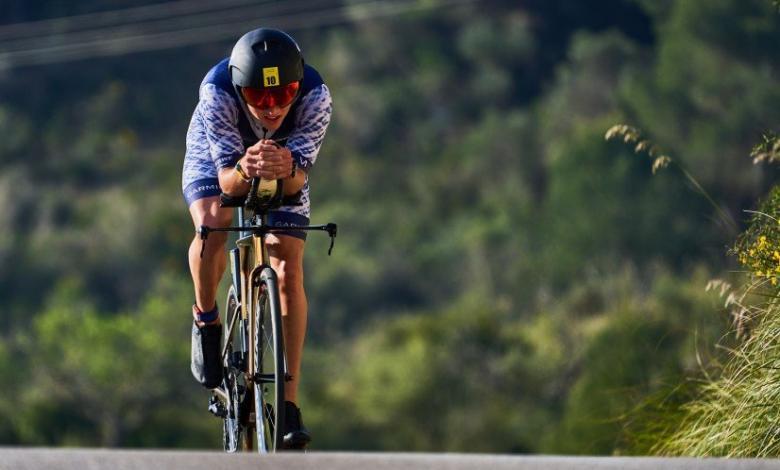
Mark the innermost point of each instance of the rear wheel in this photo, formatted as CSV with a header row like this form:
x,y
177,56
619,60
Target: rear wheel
x,y
269,365
235,435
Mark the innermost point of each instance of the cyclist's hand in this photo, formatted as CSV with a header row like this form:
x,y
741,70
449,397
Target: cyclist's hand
x,y
266,159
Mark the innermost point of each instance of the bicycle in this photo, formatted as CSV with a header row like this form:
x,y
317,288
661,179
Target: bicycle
x,y
250,399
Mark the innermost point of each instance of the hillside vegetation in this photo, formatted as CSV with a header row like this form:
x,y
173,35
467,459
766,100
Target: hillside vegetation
x,y
505,279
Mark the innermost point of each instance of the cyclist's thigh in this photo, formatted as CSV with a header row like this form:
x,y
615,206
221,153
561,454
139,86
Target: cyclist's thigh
x,y
286,248
206,211
200,183
286,256
288,245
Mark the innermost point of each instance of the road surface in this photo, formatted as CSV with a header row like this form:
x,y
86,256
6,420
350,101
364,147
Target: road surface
x,y
94,459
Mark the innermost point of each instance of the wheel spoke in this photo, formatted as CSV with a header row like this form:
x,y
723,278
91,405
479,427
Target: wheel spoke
x,y
234,390
266,379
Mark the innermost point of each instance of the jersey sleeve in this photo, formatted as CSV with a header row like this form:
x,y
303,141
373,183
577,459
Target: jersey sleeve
x,y
311,123
220,118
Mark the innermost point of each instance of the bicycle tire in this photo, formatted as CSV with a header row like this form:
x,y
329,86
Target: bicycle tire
x,y
269,365
235,432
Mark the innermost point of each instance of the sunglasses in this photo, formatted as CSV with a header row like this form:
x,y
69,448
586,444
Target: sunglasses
x,y
265,98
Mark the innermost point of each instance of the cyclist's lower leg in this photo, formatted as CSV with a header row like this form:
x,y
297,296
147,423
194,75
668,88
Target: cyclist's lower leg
x,y
294,319
207,271
287,260
207,264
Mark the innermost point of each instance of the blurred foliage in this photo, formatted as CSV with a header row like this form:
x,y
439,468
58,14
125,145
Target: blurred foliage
x,y
111,380
633,136
561,382
768,150
505,280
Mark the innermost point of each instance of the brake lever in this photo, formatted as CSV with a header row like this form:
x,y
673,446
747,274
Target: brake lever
x,y
332,230
203,231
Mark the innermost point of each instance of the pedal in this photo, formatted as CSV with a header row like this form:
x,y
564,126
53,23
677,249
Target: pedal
x,y
217,408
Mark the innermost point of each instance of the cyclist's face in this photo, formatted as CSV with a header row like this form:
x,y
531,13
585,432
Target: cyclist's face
x,y
271,118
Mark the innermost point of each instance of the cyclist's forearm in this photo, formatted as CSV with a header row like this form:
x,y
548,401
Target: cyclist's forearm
x,y
293,185
232,183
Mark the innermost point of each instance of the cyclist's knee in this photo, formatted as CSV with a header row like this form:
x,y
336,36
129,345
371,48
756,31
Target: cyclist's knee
x,y
214,247
207,211
290,278
287,261
214,243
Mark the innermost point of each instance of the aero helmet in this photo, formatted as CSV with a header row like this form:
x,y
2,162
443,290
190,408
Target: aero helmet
x,y
266,60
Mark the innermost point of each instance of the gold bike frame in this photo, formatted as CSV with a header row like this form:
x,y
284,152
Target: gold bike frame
x,y
253,256
250,266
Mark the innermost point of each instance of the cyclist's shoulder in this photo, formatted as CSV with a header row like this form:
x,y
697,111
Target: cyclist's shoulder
x,y
315,96
218,77
312,80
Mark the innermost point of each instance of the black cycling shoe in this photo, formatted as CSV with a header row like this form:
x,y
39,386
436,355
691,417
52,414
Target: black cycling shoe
x,y
296,436
206,355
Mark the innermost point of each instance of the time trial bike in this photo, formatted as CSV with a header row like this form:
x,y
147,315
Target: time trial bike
x,y
250,399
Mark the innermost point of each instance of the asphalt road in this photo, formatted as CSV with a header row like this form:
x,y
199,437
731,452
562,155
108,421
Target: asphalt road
x,y
92,459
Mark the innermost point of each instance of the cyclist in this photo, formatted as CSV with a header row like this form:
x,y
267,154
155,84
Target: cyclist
x,y
262,113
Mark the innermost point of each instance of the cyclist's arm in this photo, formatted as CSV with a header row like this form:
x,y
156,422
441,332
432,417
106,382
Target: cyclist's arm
x,y
223,141
295,184
312,120
232,183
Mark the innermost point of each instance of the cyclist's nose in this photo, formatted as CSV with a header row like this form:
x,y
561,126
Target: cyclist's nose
x,y
272,111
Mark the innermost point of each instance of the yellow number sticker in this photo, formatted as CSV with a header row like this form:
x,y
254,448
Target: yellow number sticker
x,y
270,76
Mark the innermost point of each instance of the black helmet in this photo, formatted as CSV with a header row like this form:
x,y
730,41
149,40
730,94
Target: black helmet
x,y
265,58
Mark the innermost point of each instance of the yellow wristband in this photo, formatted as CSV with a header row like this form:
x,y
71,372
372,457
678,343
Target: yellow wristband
x,y
242,173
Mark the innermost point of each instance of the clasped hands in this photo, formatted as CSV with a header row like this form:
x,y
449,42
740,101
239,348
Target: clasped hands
x,y
268,160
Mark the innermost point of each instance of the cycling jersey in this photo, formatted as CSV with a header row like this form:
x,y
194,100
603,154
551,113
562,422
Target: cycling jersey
x,y
220,131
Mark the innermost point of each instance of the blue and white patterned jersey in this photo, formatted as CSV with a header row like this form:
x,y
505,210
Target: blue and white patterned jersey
x,y
220,131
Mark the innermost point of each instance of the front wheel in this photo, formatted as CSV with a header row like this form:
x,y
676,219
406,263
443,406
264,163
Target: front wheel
x,y
269,365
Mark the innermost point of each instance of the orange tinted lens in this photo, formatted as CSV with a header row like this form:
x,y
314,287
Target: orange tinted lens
x,y
287,93
270,97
